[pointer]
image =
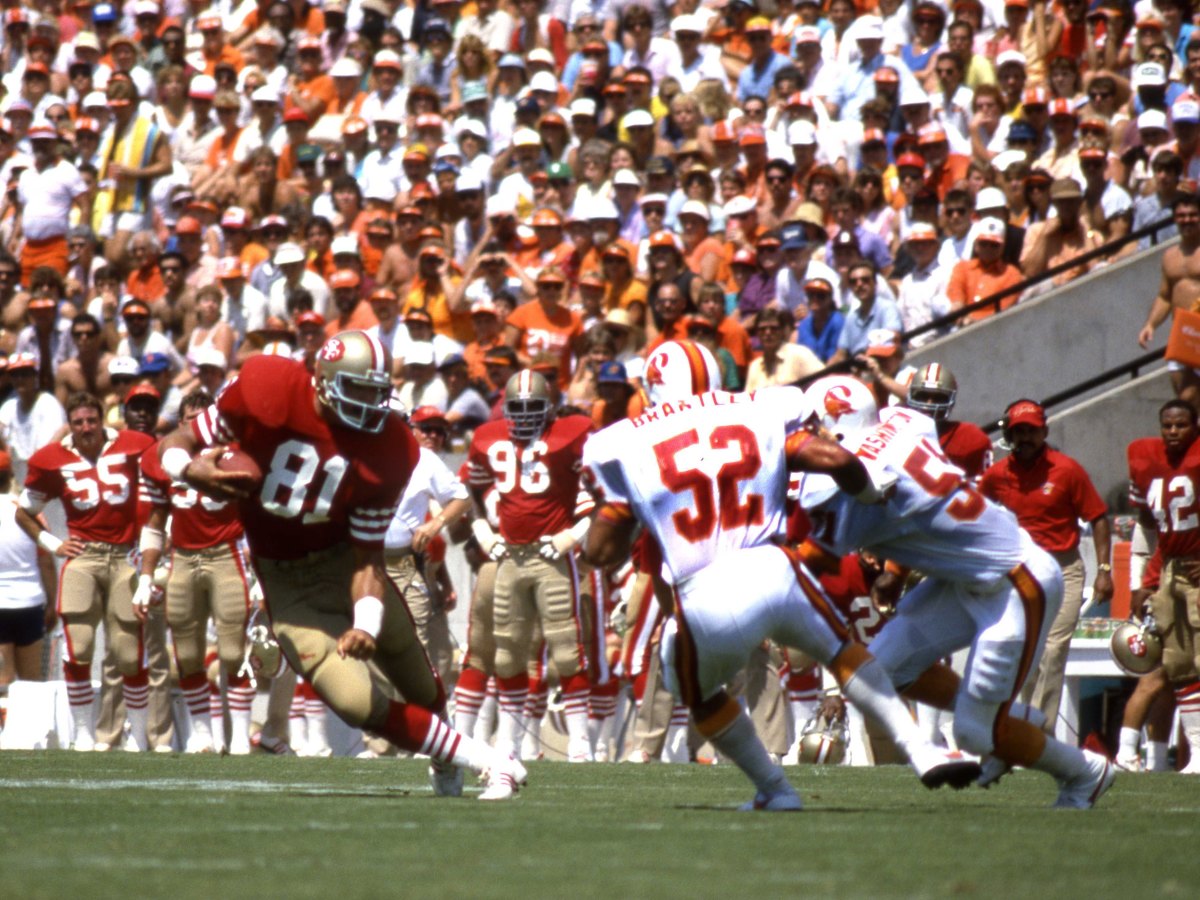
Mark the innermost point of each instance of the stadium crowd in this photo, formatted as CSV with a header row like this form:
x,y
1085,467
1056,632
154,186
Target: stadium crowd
x,y
558,186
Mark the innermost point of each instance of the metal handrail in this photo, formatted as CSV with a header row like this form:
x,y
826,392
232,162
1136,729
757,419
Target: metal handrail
x,y
994,300
1132,369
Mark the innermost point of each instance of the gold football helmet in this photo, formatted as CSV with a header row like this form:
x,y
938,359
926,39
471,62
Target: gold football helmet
x,y
353,378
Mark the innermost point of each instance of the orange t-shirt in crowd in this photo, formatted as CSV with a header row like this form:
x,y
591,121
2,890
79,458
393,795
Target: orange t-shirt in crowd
x,y
361,318
320,88
228,54
634,292
675,331
146,286
220,154
970,281
733,337
708,245
312,21
551,334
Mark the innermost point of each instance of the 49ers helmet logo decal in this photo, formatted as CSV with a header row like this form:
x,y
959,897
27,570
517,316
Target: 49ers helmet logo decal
x,y
332,350
1137,646
838,401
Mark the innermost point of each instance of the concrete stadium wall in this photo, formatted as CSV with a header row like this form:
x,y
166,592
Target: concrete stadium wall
x,y
1097,431
1049,343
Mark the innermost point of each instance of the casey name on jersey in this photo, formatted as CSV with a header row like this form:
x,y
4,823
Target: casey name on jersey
x,y
712,398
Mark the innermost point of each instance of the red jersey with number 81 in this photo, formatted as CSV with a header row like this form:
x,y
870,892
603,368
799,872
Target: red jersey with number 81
x,y
100,499
323,484
1170,492
704,475
197,521
537,482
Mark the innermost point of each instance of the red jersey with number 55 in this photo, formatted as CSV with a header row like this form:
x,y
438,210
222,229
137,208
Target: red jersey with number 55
x,y
537,482
323,484
704,475
197,521
1171,493
100,499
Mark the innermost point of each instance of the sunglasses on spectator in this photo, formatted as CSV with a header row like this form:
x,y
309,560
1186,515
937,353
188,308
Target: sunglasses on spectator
x,y
767,328
956,210
861,279
1100,95
87,333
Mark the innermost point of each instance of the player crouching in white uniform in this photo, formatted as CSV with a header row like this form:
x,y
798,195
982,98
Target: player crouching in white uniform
x,y
706,473
987,586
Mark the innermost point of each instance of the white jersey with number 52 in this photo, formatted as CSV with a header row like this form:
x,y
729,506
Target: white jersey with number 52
x,y
703,475
934,521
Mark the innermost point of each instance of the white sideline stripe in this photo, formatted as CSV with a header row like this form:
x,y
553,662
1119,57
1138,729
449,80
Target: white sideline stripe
x,y
192,784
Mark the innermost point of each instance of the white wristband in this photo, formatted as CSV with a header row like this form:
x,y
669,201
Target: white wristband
x,y
174,461
579,530
49,542
483,533
151,539
368,615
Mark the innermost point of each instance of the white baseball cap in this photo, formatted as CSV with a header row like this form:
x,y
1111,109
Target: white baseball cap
x,y
989,229
990,198
696,208
468,181
626,177
638,118
740,205
346,244
543,81
419,353
289,252
346,68
801,132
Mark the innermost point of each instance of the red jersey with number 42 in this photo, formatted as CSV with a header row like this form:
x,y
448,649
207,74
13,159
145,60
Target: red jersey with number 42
x,y
704,475
537,482
100,499
323,484
197,521
1170,492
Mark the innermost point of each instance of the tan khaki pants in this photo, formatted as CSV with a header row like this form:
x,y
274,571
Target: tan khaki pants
x,y
309,604
433,628
530,588
203,583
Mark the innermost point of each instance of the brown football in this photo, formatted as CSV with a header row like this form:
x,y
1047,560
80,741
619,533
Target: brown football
x,y
234,460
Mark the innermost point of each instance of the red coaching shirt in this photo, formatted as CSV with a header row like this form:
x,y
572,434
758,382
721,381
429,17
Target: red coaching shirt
x,y
100,499
197,521
1048,497
537,481
322,484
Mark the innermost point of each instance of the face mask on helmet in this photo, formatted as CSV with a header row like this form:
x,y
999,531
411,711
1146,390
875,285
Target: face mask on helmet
x,y
842,405
353,380
680,369
1137,648
823,741
527,405
932,391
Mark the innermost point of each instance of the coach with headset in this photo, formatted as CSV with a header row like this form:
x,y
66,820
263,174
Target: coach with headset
x,y
1050,493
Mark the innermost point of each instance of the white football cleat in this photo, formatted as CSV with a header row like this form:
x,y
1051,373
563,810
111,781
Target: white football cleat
x,y
780,801
242,748
504,779
1193,766
85,743
199,743
1084,790
1129,764
446,779
579,751
937,766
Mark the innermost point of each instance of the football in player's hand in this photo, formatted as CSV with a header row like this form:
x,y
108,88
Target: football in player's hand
x,y
234,460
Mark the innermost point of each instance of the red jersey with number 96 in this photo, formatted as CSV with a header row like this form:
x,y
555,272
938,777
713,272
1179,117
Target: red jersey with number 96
x,y
1171,492
100,499
323,484
537,482
704,475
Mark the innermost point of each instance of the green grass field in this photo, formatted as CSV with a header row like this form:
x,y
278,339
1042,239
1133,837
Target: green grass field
x,y
119,825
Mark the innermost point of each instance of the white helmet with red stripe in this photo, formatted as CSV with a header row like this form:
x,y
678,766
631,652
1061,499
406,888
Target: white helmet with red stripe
x,y
679,369
353,378
843,405
527,405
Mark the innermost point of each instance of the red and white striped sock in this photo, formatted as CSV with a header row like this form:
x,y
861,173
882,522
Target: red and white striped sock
x,y
510,727
297,723
194,689
216,716
575,691
1187,702
81,696
241,699
137,703
315,717
469,695
602,709
804,696
418,730
488,713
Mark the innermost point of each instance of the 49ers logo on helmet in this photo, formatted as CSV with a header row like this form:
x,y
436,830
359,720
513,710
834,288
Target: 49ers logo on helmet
x,y
332,350
837,401
1137,646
